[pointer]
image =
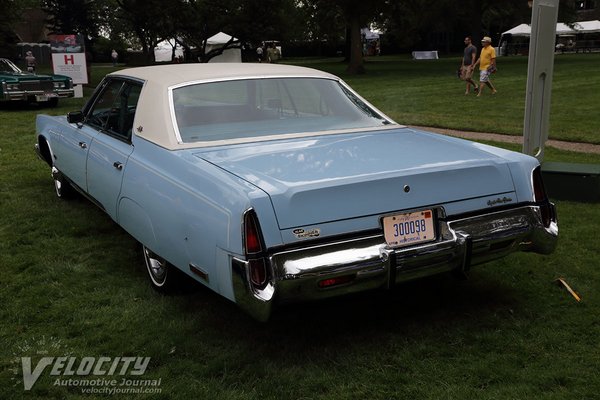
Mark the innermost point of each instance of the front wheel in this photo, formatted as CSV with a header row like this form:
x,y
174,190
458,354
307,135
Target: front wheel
x,y
62,187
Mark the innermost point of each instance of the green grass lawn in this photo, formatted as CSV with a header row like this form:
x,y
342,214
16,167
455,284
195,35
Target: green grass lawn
x,y
428,93
72,283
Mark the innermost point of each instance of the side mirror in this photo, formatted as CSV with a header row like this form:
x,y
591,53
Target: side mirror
x,y
75,117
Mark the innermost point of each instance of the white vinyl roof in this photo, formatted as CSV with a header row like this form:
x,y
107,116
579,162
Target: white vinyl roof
x,y
153,117
176,74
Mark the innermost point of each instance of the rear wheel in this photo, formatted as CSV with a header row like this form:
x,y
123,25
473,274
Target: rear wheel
x,y
163,275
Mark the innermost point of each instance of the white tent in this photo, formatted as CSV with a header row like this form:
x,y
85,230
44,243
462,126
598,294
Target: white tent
x,y
229,55
561,29
519,30
163,52
588,26
564,29
369,34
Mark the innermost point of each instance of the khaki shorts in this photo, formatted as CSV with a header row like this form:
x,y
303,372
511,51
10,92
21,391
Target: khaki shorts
x,y
466,73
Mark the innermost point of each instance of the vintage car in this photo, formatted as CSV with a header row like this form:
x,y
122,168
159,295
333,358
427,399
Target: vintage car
x,y
26,86
273,184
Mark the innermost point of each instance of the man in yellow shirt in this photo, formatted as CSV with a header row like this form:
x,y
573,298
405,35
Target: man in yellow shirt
x,y
487,65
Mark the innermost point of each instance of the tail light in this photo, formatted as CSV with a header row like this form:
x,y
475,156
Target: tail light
x,y
539,192
254,250
340,280
540,197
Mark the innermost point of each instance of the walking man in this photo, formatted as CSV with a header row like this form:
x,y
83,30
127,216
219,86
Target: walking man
x,y
114,56
487,65
467,65
30,61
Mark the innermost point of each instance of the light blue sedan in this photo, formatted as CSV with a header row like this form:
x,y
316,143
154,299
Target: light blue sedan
x,y
273,184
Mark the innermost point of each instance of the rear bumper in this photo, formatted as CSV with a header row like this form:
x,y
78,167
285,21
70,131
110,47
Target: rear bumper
x,y
367,263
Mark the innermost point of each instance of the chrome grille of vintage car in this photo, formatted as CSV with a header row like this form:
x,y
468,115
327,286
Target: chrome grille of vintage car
x,y
37,85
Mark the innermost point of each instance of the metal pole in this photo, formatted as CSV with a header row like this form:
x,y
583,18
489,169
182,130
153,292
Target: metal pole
x,y
539,76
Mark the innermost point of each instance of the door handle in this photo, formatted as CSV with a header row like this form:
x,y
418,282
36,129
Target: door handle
x,y
83,145
118,165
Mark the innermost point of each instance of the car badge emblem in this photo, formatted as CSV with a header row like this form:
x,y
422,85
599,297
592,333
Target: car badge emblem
x,y
499,200
305,234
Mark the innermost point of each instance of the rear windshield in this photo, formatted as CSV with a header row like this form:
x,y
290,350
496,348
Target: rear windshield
x,y
262,107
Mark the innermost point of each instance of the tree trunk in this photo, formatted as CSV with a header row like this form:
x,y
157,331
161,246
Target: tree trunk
x,y
356,65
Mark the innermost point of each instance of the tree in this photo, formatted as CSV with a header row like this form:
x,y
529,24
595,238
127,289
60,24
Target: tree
x,y
249,21
189,23
414,23
74,16
151,21
201,20
354,15
11,12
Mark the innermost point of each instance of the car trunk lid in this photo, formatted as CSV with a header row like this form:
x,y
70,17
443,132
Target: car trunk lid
x,y
331,178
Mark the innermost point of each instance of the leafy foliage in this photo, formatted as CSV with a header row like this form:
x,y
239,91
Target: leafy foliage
x,y
75,16
10,13
417,24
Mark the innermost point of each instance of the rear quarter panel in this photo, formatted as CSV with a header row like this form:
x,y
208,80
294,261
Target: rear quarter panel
x,y
189,211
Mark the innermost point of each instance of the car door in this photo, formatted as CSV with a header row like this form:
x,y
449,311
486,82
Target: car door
x,y
71,152
113,115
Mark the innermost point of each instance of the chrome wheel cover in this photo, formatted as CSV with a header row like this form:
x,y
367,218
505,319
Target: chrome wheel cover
x,y
58,183
157,267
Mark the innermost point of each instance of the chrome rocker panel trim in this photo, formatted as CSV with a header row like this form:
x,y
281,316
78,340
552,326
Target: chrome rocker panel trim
x,y
295,274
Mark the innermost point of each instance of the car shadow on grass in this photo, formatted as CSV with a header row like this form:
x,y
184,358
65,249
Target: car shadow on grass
x,y
411,307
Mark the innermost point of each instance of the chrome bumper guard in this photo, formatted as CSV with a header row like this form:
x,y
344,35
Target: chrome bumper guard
x,y
368,263
23,95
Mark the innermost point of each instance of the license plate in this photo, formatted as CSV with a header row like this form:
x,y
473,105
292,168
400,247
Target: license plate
x,y
409,228
45,97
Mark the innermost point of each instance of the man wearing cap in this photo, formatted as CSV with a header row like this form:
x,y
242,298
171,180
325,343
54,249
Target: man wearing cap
x,y
487,65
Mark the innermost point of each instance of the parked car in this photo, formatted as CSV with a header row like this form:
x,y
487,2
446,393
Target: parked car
x,y
272,184
31,87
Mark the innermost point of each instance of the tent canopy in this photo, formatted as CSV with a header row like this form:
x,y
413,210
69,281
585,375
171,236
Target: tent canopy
x,y
163,52
519,30
219,38
369,34
588,26
231,54
561,28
